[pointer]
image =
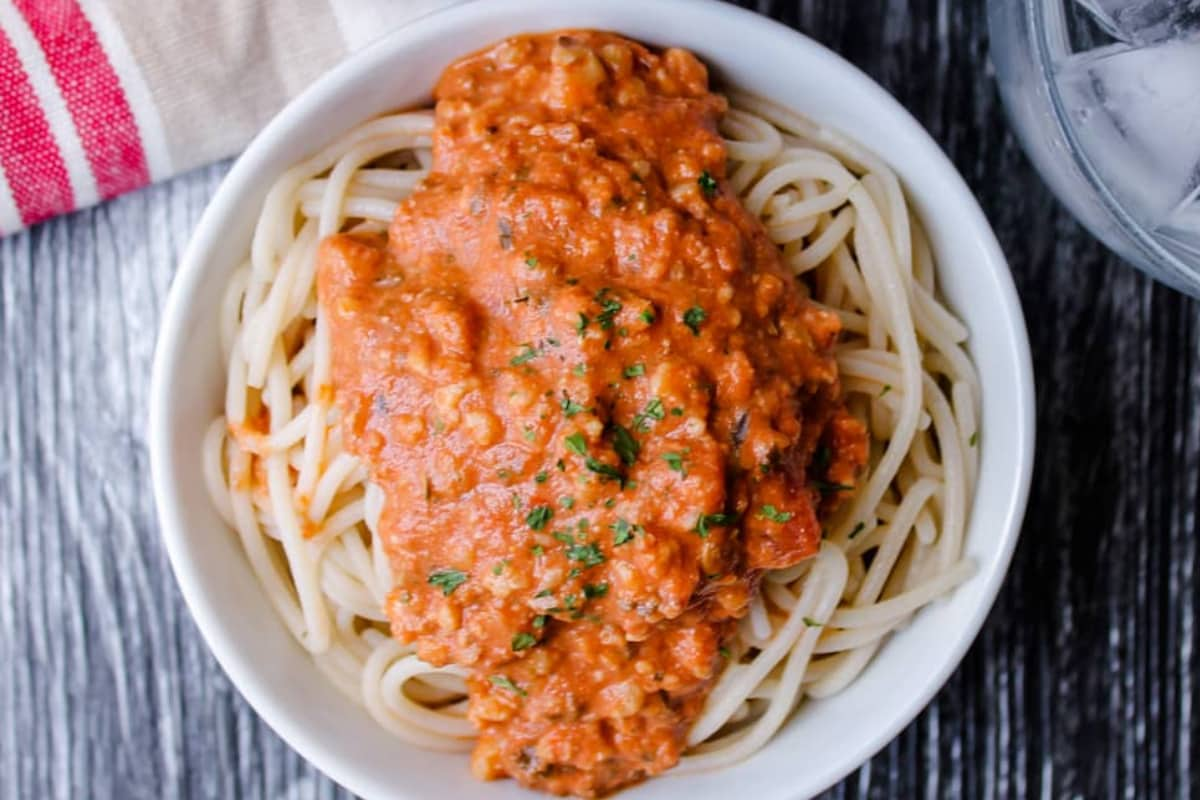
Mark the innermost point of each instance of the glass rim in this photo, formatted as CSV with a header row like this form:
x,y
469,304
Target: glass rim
x,y
1036,11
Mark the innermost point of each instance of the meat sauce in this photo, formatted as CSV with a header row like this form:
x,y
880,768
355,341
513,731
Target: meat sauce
x,y
597,404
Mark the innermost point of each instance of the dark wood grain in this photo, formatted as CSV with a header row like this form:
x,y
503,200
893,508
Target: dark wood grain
x,y
1082,683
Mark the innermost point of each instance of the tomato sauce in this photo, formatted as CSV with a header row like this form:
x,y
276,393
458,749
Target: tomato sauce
x,y
597,403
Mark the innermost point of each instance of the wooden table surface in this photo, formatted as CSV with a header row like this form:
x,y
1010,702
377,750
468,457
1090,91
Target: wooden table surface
x,y
1082,683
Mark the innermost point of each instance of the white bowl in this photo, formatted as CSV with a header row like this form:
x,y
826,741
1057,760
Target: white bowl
x,y
826,739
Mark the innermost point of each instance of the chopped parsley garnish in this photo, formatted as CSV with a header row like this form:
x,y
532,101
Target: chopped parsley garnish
x,y
676,412
539,621
516,500
447,580
605,471
563,537
708,184
887,387
609,308
531,261
647,316
577,444
504,682
594,590
770,512
560,465
675,462
579,370
537,550
503,474
527,354
567,502
544,593
582,323
588,553
652,411
569,407
529,434
541,477
825,487
694,317
705,521
974,440
626,446
724,651
523,641
538,517
857,530
812,623
499,567
634,371
623,531
570,602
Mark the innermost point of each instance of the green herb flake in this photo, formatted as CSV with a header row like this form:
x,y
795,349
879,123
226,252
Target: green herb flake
x,y
706,521
626,447
538,517
529,434
523,641
675,462
589,554
708,184
579,370
606,471
528,353
569,407
537,550
499,566
652,411
974,440
447,580
541,477
634,371
582,323
594,590
531,261
812,623
564,537
771,513
724,651
566,502
647,316
504,682
609,308
503,474
543,593
694,317
577,444
887,387
825,487
676,412
623,531
539,621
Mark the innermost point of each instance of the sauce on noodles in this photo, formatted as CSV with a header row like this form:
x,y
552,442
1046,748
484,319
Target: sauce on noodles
x,y
597,403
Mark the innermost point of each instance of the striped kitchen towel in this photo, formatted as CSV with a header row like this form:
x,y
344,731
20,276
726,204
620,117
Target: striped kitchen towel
x,y
98,97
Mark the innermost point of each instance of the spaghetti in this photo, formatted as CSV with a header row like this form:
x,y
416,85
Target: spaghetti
x,y
308,517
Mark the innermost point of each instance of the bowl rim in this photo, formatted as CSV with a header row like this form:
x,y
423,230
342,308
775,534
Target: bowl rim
x,y
249,678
